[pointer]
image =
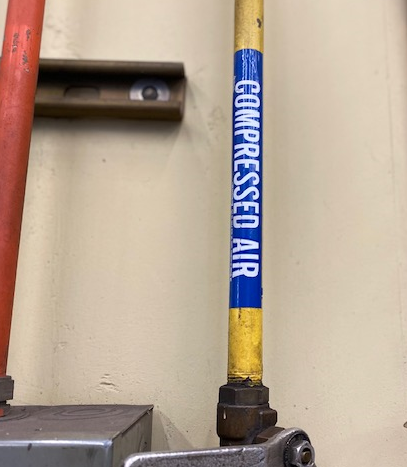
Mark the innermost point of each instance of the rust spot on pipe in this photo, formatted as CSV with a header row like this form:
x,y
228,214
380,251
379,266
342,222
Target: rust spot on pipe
x,y
25,58
28,34
16,36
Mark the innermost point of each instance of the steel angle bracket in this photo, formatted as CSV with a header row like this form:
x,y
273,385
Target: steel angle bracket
x,y
288,448
112,89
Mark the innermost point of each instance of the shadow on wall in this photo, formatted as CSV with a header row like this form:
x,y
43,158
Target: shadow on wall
x,y
166,436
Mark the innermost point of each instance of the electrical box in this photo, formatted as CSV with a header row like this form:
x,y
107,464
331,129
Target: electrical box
x,y
74,436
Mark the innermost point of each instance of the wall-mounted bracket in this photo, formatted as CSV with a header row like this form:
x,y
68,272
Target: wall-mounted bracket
x,y
89,89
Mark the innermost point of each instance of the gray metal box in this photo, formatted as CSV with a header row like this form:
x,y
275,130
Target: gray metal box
x,y
74,436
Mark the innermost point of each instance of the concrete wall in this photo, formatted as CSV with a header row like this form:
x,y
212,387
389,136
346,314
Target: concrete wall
x,y
123,275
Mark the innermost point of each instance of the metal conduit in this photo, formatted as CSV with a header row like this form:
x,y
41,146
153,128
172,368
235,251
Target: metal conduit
x,y
18,81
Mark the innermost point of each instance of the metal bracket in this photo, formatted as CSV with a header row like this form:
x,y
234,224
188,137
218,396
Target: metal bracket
x,y
288,448
132,90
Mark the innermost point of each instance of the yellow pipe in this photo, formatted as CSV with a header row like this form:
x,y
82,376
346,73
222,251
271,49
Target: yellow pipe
x,y
245,346
249,18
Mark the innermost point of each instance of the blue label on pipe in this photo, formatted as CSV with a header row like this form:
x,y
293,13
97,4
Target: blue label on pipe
x,y
247,168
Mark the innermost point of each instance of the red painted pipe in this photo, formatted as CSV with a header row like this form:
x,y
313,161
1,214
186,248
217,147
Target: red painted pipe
x,y
18,82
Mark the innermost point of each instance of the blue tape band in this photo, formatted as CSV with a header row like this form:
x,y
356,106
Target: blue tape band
x,y
247,169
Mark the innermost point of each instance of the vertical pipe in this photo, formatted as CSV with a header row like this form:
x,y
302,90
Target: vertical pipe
x,y
18,81
244,415
245,315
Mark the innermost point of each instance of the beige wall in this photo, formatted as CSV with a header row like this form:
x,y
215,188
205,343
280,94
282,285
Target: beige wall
x,y
123,276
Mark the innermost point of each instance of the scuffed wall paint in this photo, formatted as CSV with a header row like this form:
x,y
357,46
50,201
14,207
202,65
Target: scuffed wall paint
x,y
122,284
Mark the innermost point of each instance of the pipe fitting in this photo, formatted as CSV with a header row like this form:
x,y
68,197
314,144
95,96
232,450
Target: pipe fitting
x,y
243,413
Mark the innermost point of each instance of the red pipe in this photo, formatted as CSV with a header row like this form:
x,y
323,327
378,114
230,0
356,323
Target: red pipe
x,y
18,82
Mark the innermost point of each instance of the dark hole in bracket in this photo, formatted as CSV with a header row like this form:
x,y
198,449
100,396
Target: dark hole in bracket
x,y
150,93
82,92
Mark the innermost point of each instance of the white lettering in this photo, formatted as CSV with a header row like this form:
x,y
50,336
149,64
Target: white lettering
x,y
247,100
245,117
244,244
247,149
245,193
249,135
246,205
246,167
250,221
239,88
245,269
246,164
250,268
235,257
241,181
